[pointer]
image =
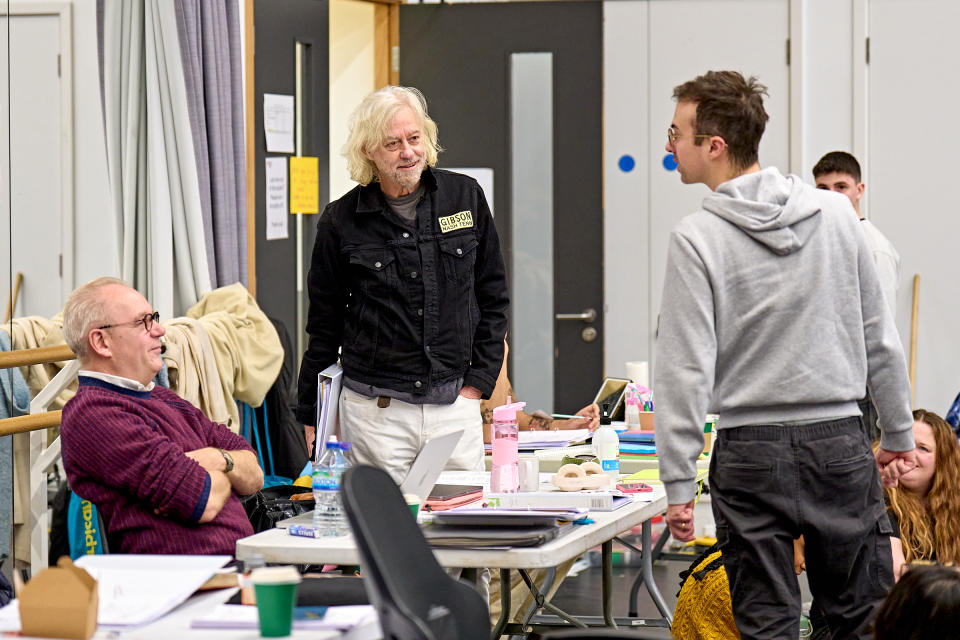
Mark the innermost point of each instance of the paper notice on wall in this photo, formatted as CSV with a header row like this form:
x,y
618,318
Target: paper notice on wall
x,y
278,122
484,176
304,185
276,199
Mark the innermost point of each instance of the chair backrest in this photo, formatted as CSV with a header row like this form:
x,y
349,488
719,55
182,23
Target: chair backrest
x,y
77,527
414,597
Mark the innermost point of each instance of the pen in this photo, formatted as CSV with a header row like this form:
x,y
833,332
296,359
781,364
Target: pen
x,y
302,531
567,416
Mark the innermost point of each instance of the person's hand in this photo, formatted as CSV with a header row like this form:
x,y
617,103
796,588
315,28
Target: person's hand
x,y
209,458
680,521
799,556
893,464
470,392
310,435
592,412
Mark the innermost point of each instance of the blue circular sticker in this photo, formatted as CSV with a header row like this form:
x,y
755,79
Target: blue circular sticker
x,y
626,163
669,162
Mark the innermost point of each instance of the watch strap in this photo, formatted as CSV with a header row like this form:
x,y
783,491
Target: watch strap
x,y
228,459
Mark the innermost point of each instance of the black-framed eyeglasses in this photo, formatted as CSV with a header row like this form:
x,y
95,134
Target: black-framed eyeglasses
x,y
673,134
147,321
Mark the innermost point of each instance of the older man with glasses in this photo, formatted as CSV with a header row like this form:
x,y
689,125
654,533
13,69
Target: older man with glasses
x,y
164,476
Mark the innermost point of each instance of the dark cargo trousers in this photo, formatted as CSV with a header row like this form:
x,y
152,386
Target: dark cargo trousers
x,y
772,484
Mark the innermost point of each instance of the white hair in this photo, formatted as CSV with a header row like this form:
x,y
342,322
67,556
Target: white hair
x,y
369,123
84,310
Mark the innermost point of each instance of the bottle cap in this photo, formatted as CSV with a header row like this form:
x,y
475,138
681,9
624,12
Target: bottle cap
x,y
508,412
605,414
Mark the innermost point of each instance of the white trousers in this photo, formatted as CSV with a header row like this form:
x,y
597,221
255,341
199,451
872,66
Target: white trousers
x,y
390,438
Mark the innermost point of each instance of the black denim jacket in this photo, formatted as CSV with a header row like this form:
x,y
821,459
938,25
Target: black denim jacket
x,y
409,308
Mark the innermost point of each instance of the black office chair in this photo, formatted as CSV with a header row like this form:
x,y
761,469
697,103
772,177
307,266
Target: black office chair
x,y
414,597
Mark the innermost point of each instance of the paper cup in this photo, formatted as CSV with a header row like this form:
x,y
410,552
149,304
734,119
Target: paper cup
x,y
276,589
529,467
413,501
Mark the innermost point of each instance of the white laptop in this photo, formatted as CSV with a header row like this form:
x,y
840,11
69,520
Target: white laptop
x,y
420,479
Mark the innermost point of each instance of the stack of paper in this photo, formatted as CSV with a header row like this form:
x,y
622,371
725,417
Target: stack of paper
x,y
137,589
239,616
637,445
530,440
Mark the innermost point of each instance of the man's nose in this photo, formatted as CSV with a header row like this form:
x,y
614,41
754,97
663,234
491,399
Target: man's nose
x,y
405,148
158,329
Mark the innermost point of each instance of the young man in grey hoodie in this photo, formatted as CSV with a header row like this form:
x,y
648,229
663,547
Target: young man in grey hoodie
x,y
773,318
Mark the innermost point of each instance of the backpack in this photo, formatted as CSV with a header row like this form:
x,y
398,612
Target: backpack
x,y
704,610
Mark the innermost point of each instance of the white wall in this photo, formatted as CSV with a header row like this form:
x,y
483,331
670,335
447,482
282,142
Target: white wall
x,y
95,250
351,78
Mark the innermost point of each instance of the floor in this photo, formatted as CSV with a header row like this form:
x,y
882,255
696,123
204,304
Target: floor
x,y
581,594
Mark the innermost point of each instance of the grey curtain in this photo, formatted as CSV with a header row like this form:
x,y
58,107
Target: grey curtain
x,y
210,46
173,114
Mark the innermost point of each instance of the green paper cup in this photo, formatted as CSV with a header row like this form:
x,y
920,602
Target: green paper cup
x,y
413,501
276,589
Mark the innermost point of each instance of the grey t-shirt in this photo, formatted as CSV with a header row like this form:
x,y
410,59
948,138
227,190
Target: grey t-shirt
x,y
406,206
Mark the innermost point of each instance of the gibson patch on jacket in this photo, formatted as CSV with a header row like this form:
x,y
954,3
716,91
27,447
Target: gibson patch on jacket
x,y
460,220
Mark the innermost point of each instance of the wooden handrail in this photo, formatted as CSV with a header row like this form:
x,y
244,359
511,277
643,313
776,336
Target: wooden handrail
x,y
32,422
12,298
41,355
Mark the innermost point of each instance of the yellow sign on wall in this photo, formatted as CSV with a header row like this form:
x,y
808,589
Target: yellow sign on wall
x,y
304,185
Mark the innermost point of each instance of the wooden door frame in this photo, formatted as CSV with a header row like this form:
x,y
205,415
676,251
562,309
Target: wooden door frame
x,y
386,54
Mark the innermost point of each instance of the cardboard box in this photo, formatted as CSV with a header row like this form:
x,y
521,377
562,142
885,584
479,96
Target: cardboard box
x,y
59,602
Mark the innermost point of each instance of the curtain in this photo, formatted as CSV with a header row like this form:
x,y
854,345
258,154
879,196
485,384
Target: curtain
x,y
210,47
172,103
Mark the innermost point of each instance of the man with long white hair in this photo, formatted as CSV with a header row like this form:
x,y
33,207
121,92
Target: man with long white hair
x,y
407,285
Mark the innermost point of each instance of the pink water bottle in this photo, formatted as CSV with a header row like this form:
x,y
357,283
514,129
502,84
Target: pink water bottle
x,y
504,471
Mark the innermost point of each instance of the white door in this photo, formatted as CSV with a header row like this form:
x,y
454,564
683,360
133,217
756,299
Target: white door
x,y
650,47
911,175
32,213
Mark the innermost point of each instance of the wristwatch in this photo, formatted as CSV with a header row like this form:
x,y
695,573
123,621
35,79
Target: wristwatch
x,y
228,459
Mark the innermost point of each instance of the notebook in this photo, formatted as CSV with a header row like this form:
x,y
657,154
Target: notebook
x,y
420,479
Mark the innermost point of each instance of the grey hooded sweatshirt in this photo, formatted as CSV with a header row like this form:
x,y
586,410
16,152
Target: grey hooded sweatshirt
x,y
772,313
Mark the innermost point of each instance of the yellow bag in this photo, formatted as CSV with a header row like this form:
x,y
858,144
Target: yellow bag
x,y
704,610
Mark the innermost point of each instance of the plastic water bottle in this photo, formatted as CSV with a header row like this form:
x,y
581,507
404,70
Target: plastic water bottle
x,y
328,516
505,470
633,411
606,444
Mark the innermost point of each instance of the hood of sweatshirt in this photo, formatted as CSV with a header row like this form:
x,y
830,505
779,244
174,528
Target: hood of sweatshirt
x,y
773,209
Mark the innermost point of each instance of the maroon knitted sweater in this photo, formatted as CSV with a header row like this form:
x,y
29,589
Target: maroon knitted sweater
x,y
123,450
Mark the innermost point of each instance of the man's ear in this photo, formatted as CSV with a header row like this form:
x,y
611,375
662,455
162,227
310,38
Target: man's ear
x,y
861,187
98,343
717,146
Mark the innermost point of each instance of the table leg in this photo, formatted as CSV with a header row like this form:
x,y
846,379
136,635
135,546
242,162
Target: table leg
x,y
607,562
647,571
635,588
548,578
504,604
542,603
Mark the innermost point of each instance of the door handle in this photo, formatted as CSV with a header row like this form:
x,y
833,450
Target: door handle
x,y
588,315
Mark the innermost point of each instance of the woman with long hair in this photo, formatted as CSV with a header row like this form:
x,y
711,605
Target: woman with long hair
x,y
924,507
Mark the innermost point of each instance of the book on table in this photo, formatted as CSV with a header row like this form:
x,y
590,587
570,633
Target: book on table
x,y
593,500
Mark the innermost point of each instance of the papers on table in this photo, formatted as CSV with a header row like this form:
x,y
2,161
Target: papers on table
x,y
239,616
137,589
530,440
547,439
